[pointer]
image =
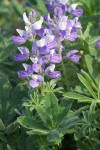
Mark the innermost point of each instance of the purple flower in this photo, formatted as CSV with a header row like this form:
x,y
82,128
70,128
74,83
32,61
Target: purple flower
x,y
58,11
37,80
38,24
24,54
72,37
25,73
36,67
33,84
99,25
55,74
49,7
51,73
72,56
18,40
56,58
77,12
23,33
98,43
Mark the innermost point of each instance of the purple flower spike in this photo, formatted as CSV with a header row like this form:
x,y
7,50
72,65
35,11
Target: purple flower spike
x,y
18,40
47,40
71,55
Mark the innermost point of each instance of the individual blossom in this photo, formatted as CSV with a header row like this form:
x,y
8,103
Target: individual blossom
x,y
36,81
51,73
24,54
73,56
18,39
25,73
32,27
74,11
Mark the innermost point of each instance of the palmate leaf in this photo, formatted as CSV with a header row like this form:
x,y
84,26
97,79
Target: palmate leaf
x,y
33,125
54,119
87,85
77,96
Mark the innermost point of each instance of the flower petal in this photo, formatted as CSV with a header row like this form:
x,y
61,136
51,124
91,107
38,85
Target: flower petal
x,y
33,84
18,40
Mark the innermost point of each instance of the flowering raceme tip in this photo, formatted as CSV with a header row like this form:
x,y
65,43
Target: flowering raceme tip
x,y
47,41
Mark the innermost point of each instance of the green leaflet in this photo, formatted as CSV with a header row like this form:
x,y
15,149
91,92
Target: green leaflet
x,y
79,97
87,85
92,68
32,124
51,106
67,123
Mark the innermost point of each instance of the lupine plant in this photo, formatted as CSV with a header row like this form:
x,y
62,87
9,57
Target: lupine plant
x,y
50,75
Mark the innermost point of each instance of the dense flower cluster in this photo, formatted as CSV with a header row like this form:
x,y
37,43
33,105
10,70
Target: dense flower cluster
x,y
47,40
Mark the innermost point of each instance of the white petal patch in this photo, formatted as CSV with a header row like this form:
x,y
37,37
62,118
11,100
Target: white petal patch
x,y
41,43
63,1
34,59
38,25
62,25
73,6
52,67
25,18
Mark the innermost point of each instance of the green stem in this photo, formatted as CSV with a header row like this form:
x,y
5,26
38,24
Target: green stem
x,y
66,82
